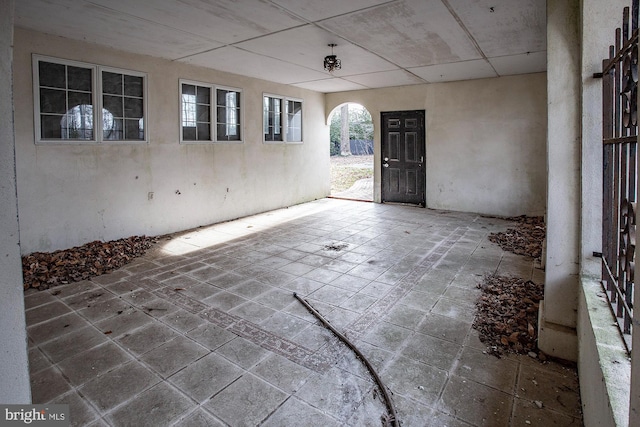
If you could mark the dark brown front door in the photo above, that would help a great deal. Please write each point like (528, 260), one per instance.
(403, 149)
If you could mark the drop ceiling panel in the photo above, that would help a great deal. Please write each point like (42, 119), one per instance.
(478, 69)
(285, 41)
(225, 21)
(513, 27)
(386, 79)
(95, 24)
(409, 33)
(314, 10)
(520, 64)
(330, 85)
(307, 46)
(238, 61)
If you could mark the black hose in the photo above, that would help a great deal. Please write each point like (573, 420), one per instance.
(387, 398)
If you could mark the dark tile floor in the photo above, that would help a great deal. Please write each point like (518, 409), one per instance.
(204, 330)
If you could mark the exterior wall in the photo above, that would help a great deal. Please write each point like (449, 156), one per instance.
(14, 371)
(558, 313)
(485, 141)
(71, 194)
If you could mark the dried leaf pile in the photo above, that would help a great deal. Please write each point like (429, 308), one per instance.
(41, 270)
(507, 314)
(526, 239)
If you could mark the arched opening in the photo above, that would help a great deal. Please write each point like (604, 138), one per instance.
(351, 151)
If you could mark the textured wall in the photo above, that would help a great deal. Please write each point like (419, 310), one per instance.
(485, 140)
(72, 194)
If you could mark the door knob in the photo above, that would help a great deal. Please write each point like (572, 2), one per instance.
(385, 165)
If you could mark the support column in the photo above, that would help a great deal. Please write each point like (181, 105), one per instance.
(558, 311)
(14, 369)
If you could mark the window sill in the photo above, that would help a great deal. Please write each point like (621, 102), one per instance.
(603, 365)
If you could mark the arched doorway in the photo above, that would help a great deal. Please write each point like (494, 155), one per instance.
(351, 151)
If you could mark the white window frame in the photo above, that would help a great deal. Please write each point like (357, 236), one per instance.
(285, 119)
(213, 113)
(96, 98)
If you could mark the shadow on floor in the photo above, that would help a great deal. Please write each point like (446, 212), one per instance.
(204, 329)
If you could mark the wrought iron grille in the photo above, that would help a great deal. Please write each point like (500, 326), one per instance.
(620, 165)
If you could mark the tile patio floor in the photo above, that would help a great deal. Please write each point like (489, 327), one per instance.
(205, 331)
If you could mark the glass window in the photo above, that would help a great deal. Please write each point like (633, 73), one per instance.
(65, 95)
(65, 100)
(272, 118)
(123, 100)
(282, 119)
(209, 113)
(228, 115)
(196, 112)
(294, 121)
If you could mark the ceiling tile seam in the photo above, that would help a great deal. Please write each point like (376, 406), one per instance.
(99, 6)
(241, 41)
(468, 33)
(334, 78)
(334, 16)
(279, 60)
(517, 54)
(294, 15)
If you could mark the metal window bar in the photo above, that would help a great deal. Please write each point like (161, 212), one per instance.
(620, 165)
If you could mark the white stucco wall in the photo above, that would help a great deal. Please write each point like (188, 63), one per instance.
(72, 194)
(558, 311)
(14, 372)
(485, 141)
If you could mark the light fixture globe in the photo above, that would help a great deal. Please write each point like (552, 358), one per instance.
(331, 62)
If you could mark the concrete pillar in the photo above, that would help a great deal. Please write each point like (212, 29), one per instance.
(558, 311)
(14, 370)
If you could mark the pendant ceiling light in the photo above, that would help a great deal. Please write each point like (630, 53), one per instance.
(331, 62)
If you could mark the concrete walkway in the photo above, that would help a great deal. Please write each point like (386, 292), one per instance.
(361, 190)
(205, 331)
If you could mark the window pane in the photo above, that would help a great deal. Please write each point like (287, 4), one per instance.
(133, 108)
(112, 128)
(189, 133)
(79, 78)
(78, 123)
(228, 132)
(229, 98)
(204, 132)
(133, 86)
(113, 104)
(111, 83)
(202, 113)
(294, 135)
(204, 95)
(52, 75)
(50, 127)
(188, 110)
(188, 89)
(133, 130)
(53, 101)
(79, 98)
